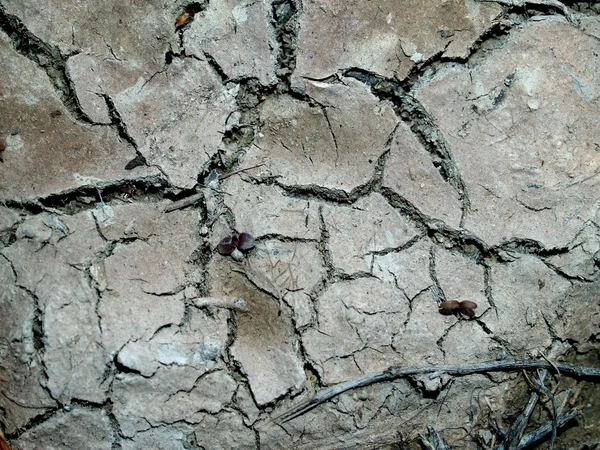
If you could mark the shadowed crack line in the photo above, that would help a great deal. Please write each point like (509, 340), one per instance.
(439, 292)
(46, 56)
(121, 127)
(337, 196)
(488, 291)
(285, 17)
(215, 66)
(114, 424)
(422, 124)
(335, 144)
(84, 198)
(33, 423)
(528, 247)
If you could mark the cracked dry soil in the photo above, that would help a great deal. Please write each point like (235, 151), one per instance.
(379, 151)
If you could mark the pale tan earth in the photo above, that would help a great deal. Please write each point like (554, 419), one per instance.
(379, 151)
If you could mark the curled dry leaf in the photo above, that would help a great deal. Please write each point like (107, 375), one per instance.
(183, 19)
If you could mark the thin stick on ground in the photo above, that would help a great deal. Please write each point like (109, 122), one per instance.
(539, 434)
(539, 385)
(394, 373)
(180, 204)
(435, 442)
(220, 302)
(227, 175)
(517, 429)
(195, 198)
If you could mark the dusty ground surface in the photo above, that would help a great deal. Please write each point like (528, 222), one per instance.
(379, 151)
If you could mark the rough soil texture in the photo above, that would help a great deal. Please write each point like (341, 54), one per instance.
(382, 153)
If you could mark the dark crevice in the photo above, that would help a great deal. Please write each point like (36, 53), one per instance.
(25, 206)
(86, 197)
(377, 178)
(285, 17)
(399, 249)
(339, 275)
(46, 56)
(114, 425)
(462, 241)
(337, 196)
(37, 326)
(170, 56)
(324, 247)
(335, 144)
(239, 136)
(212, 62)
(488, 290)
(422, 124)
(528, 247)
(117, 121)
(591, 8)
(122, 368)
(234, 367)
(437, 288)
(313, 191)
(567, 276)
(33, 423)
(283, 238)
(492, 39)
(408, 209)
(506, 346)
(9, 236)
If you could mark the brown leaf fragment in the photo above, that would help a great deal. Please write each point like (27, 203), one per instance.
(183, 19)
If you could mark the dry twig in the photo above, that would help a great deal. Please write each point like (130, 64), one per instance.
(531, 438)
(221, 302)
(394, 373)
(195, 198)
(435, 441)
(227, 175)
(540, 387)
(517, 429)
(180, 204)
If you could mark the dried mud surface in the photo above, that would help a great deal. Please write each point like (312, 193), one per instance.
(385, 155)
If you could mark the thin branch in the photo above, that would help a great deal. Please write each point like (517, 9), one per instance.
(531, 438)
(435, 441)
(197, 197)
(227, 175)
(394, 373)
(517, 429)
(180, 204)
(220, 302)
(542, 388)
